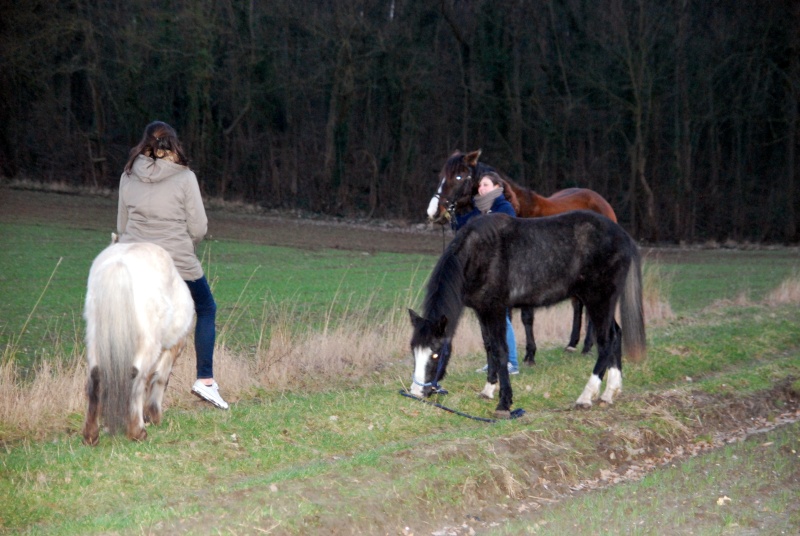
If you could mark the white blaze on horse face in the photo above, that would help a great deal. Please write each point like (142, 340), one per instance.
(422, 354)
(613, 385)
(590, 392)
(433, 206)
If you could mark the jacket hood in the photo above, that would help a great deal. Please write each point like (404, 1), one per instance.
(150, 170)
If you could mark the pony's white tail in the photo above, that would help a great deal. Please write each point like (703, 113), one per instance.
(632, 313)
(114, 341)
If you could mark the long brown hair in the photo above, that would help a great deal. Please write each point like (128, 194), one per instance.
(158, 141)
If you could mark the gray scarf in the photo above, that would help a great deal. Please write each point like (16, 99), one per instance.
(485, 202)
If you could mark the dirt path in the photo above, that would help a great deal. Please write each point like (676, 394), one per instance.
(264, 227)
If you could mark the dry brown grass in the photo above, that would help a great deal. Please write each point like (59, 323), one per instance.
(355, 349)
(655, 286)
(787, 292)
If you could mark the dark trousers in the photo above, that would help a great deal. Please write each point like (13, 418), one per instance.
(205, 330)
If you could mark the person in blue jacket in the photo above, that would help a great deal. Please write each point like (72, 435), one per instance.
(490, 200)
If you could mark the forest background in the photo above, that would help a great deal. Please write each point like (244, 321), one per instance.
(683, 114)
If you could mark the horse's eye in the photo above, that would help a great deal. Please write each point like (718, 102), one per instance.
(458, 177)
(435, 356)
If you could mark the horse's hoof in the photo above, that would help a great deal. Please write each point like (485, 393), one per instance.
(570, 349)
(604, 403)
(140, 436)
(152, 416)
(583, 405)
(90, 440)
(484, 396)
(502, 414)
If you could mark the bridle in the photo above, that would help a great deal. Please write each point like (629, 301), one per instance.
(442, 357)
(450, 200)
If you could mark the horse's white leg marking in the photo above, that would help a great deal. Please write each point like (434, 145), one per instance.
(613, 385)
(488, 390)
(590, 392)
(421, 356)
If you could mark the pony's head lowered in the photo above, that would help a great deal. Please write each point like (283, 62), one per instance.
(455, 185)
(430, 347)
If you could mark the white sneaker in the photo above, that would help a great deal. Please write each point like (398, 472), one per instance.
(511, 369)
(209, 393)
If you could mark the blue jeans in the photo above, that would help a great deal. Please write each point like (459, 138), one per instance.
(205, 330)
(512, 342)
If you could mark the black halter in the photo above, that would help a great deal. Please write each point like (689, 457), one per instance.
(450, 200)
(444, 355)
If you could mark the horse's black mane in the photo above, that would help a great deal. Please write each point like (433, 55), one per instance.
(445, 294)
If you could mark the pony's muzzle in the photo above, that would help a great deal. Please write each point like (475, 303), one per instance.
(421, 391)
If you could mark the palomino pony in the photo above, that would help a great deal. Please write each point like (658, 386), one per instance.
(496, 262)
(458, 185)
(138, 312)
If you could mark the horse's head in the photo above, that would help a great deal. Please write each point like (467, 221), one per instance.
(455, 185)
(431, 349)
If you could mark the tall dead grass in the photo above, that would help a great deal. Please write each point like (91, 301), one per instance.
(788, 292)
(362, 346)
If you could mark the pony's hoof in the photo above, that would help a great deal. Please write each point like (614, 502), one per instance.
(152, 416)
(90, 440)
(502, 414)
(484, 396)
(583, 405)
(570, 349)
(140, 436)
(604, 403)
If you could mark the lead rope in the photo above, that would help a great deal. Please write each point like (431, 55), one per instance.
(517, 413)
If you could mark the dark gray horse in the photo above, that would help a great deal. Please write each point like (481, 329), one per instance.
(459, 183)
(496, 262)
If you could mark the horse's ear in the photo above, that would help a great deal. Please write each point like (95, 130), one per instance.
(415, 318)
(439, 327)
(471, 158)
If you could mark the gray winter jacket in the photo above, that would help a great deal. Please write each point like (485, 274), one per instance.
(160, 202)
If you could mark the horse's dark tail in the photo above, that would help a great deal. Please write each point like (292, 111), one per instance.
(632, 313)
(115, 340)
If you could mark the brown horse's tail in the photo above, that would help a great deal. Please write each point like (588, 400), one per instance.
(632, 312)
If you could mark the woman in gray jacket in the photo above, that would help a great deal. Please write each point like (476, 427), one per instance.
(160, 202)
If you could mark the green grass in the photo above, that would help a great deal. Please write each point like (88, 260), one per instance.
(699, 277)
(362, 457)
(43, 273)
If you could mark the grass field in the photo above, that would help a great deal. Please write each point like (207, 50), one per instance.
(312, 352)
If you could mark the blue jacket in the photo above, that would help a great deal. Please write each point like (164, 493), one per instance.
(500, 205)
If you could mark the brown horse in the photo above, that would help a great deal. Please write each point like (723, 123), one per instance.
(459, 183)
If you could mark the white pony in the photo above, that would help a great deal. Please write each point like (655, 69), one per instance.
(138, 313)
